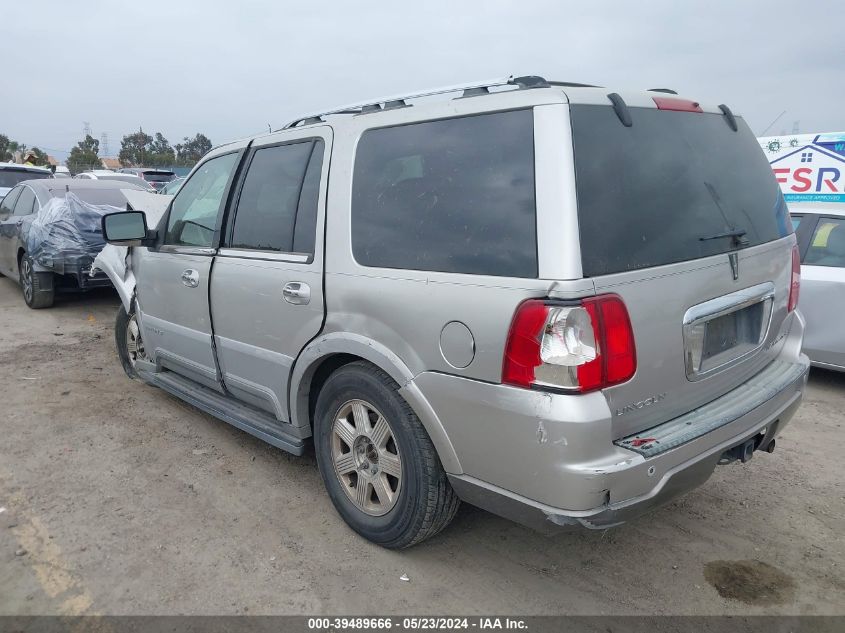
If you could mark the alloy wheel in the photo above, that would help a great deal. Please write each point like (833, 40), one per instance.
(134, 342)
(26, 280)
(366, 457)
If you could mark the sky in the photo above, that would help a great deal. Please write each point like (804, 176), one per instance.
(230, 68)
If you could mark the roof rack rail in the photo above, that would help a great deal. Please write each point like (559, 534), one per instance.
(666, 90)
(571, 84)
(401, 101)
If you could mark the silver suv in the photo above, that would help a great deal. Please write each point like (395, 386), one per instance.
(557, 303)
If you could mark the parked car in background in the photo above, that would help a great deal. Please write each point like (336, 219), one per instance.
(107, 174)
(821, 239)
(156, 177)
(170, 188)
(13, 173)
(52, 251)
(61, 174)
(61, 171)
(466, 310)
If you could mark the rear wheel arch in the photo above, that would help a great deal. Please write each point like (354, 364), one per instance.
(327, 354)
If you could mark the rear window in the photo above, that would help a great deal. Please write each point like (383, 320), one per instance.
(649, 193)
(158, 176)
(11, 177)
(111, 197)
(454, 195)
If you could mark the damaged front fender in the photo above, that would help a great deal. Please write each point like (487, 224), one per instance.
(115, 262)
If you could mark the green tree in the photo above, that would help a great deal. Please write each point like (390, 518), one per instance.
(5, 154)
(135, 149)
(192, 149)
(14, 146)
(84, 155)
(160, 154)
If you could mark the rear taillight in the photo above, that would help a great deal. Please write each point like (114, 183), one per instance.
(795, 283)
(572, 346)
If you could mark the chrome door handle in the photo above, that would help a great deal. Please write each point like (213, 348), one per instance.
(297, 293)
(190, 278)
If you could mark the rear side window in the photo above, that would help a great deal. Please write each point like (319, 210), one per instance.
(653, 193)
(26, 202)
(827, 247)
(277, 206)
(453, 195)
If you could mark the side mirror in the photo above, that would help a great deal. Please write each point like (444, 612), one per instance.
(127, 228)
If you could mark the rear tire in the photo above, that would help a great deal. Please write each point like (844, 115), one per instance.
(37, 287)
(127, 338)
(378, 464)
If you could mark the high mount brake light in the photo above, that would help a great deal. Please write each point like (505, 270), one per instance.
(680, 105)
(795, 282)
(576, 347)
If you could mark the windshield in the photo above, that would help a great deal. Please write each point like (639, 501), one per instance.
(672, 187)
(11, 177)
(112, 197)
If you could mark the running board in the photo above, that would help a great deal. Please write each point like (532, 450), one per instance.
(238, 414)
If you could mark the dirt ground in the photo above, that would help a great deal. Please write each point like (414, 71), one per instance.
(119, 499)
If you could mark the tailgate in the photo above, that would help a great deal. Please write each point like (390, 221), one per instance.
(679, 214)
(698, 332)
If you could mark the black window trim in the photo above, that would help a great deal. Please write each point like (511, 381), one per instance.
(451, 117)
(227, 250)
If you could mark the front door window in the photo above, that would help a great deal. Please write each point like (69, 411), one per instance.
(194, 210)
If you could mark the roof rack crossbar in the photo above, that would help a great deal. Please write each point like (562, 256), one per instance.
(397, 101)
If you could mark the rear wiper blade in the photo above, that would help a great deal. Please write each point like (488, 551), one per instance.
(738, 236)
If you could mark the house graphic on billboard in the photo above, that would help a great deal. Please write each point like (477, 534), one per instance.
(811, 171)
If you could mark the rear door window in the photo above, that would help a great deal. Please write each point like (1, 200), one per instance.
(277, 205)
(659, 192)
(26, 202)
(454, 195)
(827, 246)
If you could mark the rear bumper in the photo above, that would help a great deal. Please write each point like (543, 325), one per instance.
(543, 461)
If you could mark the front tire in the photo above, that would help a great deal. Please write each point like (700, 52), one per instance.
(37, 287)
(127, 338)
(378, 464)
